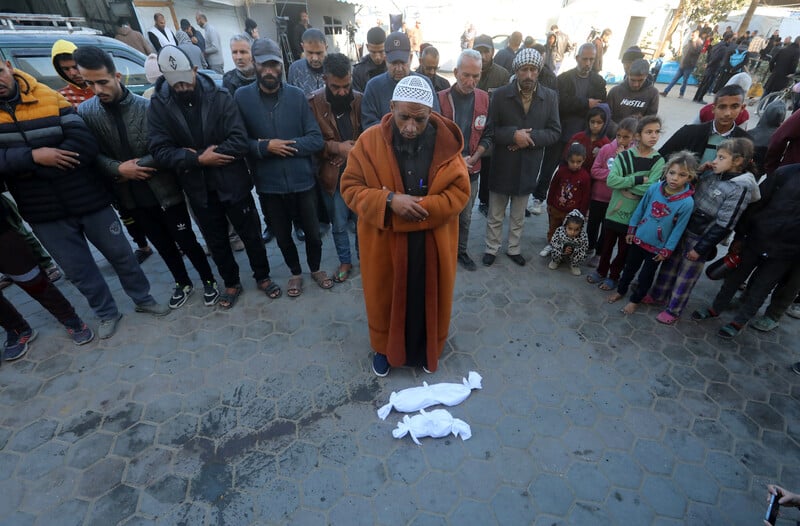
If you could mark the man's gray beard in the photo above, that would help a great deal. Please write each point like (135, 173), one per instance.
(249, 71)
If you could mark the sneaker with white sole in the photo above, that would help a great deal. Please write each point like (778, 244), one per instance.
(546, 251)
(80, 333)
(155, 308)
(794, 310)
(574, 270)
(380, 364)
(552, 265)
(210, 293)
(180, 295)
(107, 328)
(536, 208)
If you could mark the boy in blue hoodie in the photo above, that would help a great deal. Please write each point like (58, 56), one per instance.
(656, 227)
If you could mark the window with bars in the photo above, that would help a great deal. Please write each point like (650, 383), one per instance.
(332, 25)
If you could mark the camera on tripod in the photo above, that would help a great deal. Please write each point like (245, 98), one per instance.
(351, 29)
(282, 23)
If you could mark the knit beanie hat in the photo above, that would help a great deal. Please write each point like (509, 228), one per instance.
(525, 57)
(151, 71)
(413, 89)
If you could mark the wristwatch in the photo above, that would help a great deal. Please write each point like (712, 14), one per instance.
(389, 201)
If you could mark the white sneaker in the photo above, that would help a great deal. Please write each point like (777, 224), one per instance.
(536, 208)
(575, 270)
(794, 310)
(546, 251)
(552, 265)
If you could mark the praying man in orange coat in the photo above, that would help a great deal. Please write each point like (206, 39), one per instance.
(407, 181)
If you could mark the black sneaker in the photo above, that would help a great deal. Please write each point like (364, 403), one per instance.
(142, 254)
(466, 262)
(488, 259)
(210, 293)
(180, 296)
(380, 364)
(267, 236)
(17, 345)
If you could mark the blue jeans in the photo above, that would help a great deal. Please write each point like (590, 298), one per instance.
(338, 213)
(682, 72)
(66, 240)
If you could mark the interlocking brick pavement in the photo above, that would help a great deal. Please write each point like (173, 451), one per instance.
(265, 414)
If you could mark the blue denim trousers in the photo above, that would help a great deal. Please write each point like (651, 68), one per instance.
(338, 213)
(68, 239)
(682, 72)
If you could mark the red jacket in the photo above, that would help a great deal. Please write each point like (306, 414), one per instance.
(570, 190)
(480, 113)
(589, 144)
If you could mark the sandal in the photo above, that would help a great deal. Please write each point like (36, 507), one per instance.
(649, 300)
(730, 330)
(666, 318)
(594, 277)
(704, 314)
(228, 299)
(608, 284)
(343, 275)
(321, 278)
(295, 287)
(270, 288)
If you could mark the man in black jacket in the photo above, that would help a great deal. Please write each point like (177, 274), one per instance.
(703, 139)
(155, 201)
(716, 58)
(579, 90)
(195, 130)
(374, 63)
(48, 171)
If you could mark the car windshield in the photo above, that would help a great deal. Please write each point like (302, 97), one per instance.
(41, 67)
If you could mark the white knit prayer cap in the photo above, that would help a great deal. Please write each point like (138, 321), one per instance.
(413, 89)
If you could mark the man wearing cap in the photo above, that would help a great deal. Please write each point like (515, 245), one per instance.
(213, 48)
(492, 75)
(283, 138)
(379, 90)
(523, 121)
(374, 63)
(468, 107)
(49, 172)
(407, 181)
(635, 96)
(195, 130)
(306, 73)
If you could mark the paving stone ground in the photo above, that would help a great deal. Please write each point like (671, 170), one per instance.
(266, 414)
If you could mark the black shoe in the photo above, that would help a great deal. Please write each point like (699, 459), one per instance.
(380, 365)
(483, 208)
(142, 254)
(488, 259)
(466, 262)
(528, 213)
(299, 234)
(267, 236)
(517, 258)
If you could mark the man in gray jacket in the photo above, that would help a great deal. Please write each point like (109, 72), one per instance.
(118, 119)
(213, 50)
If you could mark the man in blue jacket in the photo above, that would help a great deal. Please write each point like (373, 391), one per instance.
(283, 136)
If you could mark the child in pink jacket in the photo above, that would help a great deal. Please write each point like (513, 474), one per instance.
(601, 193)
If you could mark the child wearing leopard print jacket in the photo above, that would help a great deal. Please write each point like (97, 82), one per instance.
(570, 242)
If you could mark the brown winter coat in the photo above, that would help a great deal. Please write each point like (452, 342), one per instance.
(372, 172)
(330, 159)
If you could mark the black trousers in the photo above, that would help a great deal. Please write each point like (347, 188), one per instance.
(282, 209)
(212, 218)
(708, 80)
(483, 185)
(134, 229)
(641, 261)
(168, 228)
(597, 212)
(766, 273)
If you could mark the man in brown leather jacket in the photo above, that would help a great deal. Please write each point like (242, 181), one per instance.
(337, 108)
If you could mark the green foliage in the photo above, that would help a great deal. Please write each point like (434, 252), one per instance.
(710, 11)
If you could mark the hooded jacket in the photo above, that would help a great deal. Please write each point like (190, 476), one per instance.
(561, 240)
(592, 147)
(72, 92)
(624, 102)
(40, 117)
(170, 136)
